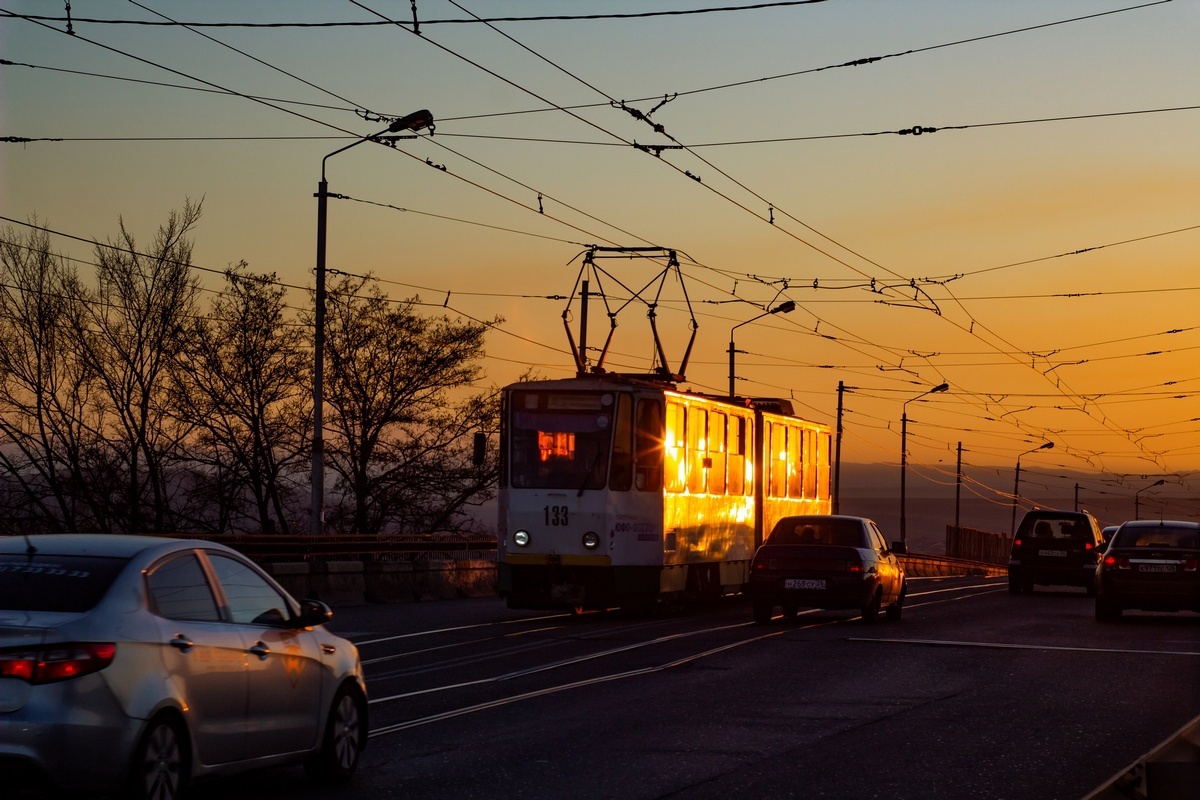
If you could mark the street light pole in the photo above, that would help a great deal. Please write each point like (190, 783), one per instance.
(783, 308)
(412, 122)
(1017, 484)
(1137, 495)
(904, 455)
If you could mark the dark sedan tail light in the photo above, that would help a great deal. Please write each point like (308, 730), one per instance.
(57, 662)
(1191, 564)
(1114, 561)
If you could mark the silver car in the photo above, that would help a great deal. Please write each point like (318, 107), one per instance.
(134, 664)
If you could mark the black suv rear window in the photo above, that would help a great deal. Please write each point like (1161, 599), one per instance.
(55, 583)
(1059, 529)
(1161, 536)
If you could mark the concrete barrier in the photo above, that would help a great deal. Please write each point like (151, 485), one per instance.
(342, 583)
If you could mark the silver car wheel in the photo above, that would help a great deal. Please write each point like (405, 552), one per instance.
(346, 728)
(159, 766)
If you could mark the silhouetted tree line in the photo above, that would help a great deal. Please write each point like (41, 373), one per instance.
(128, 405)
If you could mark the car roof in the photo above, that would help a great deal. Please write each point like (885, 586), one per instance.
(1160, 523)
(113, 545)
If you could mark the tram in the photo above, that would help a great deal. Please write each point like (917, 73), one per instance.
(621, 490)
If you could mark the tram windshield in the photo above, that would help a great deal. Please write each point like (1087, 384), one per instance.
(561, 439)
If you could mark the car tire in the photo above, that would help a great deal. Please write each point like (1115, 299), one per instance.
(1107, 610)
(791, 610)
(344, 739)
(762, 611)
(1091, 589)
(870, 612)
(159, 770)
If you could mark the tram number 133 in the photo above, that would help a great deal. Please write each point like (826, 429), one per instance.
(556, 515)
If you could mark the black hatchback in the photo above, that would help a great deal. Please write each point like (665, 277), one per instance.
(1152, 565)
(1056, 548)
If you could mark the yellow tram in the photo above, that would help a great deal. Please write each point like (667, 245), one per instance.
(616, 490)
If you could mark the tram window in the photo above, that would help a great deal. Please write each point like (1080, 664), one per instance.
(676, 477)
(560, 441)
(778, 465)
(795, 463)
(811, 457)
(717, 423)
(737, 455)
(621, 476)
(649, 446)
(697, 449)
(824, 458)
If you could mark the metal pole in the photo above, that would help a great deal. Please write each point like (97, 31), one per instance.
(837, 456)
(318, 444)
(732, 393)
(903, 470)
(1016, 493)
(1077, 497)
(958, 487)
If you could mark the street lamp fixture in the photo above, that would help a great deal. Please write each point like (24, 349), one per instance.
(941, 387)
(410, 122)
(1017, 483)
(1137, 495)
(786, 307)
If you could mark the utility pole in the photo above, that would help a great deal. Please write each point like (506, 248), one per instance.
(958, 487)
(837, 455)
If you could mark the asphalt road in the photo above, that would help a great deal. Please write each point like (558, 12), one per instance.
(975, 693)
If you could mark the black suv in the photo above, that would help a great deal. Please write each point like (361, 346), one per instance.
(1060, 548)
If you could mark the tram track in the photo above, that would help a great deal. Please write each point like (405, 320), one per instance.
(568, 635)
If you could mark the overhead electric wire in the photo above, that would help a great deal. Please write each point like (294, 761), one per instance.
(533, 18)
(406, 154)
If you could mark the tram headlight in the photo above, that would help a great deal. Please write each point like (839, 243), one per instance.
(590, 540)
(521, 538)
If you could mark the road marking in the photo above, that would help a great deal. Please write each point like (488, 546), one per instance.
(458, 712)
(459, 628)
(1010, 646)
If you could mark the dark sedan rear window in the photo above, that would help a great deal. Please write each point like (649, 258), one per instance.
(1161, 536)
(55, 583)
(840, 532)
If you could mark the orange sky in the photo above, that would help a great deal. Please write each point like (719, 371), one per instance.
(1095, 351)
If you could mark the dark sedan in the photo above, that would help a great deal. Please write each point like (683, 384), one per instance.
(1152, 565)
(827, 562)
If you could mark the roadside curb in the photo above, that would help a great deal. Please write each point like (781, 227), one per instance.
(1170, 771)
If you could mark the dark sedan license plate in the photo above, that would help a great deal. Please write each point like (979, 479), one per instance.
(1156, 567)
(804, 583)
(1052, 553)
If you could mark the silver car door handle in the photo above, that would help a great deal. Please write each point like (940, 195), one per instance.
(260, 650)
(181, 642)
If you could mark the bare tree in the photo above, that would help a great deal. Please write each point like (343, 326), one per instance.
(130, 329)
(401, 446)
(46, 423)
(242, 380)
